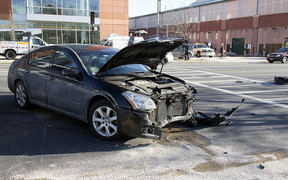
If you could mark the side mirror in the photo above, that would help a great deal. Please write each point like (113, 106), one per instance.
(72, 73)
(164, 61)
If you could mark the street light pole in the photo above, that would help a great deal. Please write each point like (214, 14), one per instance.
(158, 16)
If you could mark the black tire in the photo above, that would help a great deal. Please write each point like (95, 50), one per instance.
(21, 95)
(271, 61)
(284, 60)
(198, 54)
(10, 54)
(102, 119)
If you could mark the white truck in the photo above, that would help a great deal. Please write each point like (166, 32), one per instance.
(10, 49)
(119, 42)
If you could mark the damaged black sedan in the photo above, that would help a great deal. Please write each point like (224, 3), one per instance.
(116, 92)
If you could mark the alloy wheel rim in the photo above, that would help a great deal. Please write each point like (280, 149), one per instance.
(20, 95)
(105, 121)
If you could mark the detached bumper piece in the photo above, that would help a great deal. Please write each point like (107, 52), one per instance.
(281, 80)
(206, 120)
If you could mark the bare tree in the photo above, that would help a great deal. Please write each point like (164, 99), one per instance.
(11, 26)
(180, 22)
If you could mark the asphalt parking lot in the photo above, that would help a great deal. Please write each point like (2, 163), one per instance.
(41, 144)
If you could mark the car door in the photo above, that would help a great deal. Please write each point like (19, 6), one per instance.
(37, 74)
(36, 43)
(65, 93)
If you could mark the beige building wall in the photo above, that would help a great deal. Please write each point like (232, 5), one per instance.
(114, 17)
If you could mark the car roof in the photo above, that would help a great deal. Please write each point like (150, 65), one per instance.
(88, 47)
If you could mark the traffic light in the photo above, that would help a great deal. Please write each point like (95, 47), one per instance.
(92, 17)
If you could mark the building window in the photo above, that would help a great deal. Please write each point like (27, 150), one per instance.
(18, 5)
(61, 7)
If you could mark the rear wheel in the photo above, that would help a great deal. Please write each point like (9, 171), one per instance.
(284, 60)
(9, 54)
(270, 61)
(103, 120)
(21, 95)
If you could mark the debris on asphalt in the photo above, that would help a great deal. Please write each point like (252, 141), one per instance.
(261, 166)
(281, 80)
(229, 123)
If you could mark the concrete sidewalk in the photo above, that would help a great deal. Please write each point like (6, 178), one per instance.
(225, 59)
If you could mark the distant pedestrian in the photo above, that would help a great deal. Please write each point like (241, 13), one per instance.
(221, 51)
(186, 51)
(131, 40)
(84, 42)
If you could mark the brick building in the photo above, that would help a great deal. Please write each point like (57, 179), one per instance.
(64, 21)
(241, 26)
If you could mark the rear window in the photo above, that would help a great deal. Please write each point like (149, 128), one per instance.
(41, 58)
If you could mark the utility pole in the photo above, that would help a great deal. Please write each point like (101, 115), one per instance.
(92, 21)
(158, 16)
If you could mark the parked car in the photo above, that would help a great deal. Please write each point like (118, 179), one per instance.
(116, 92)
(119, 42)
(280, 55)
(179, 52)
(200, 49)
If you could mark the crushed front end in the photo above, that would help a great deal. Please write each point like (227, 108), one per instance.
(166, 99)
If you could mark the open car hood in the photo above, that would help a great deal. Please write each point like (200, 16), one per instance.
(146, 53)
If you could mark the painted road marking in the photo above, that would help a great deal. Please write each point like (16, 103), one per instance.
(263, 91)
(242, 94)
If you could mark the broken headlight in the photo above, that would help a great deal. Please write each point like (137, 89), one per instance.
(139, 101)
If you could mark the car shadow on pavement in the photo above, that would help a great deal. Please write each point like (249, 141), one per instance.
(38, 131)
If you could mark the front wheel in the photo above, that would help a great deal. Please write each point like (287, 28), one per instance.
(102, 120)
(21, 95)
(9, 54)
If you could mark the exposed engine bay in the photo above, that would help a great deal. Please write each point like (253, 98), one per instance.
(173, 97)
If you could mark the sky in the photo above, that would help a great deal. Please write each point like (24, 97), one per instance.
(143, 7)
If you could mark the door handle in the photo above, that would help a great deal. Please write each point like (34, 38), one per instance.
(52, 78)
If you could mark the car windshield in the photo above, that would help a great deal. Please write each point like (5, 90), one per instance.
(202, 46)
(128, 69)
(283, 50)
(95, 60)
(103, 41)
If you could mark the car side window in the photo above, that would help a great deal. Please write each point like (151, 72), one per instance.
(63, 60)
(41, 58)
(36, 41)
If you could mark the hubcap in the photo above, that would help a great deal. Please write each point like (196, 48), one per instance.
(20, 95)
(105, 121)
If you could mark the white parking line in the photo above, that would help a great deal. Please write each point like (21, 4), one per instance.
(239, 85)
(218, 74)
(277, 99)
(264, 91)
(214, 81)
(241, 95)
